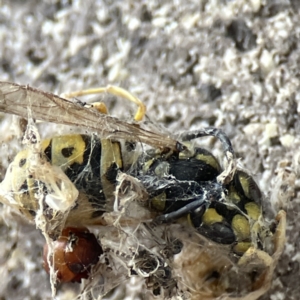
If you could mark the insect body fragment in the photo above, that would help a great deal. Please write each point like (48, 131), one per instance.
(74, 253)
(80, 180)
(78, 156)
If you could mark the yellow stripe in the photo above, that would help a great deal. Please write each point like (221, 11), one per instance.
(211, 216)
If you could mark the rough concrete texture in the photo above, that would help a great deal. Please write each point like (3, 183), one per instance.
(230, 64)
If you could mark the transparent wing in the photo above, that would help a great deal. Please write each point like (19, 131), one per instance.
(27, 102)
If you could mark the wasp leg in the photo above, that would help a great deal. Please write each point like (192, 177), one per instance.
(114, 90)
(227, 175)
(175, 215)
(210, 131)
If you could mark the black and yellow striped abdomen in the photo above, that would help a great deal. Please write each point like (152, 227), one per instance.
(228, 213)
(91, 165)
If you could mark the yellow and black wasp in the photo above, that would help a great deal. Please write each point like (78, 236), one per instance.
(189, 186)
(74, 180)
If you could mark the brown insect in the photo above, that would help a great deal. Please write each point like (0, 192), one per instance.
(74, 254)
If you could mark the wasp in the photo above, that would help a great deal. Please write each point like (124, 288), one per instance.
(76, 180)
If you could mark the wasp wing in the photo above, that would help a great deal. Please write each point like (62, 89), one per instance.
(25, 101)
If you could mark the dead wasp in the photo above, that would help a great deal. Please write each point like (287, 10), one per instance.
(89, 163)
(72, 180)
